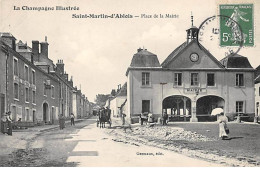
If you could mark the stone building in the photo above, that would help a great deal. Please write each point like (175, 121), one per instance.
(81, 106)
(118, 101)
(31, 93)
(32, 87)
(189, 83)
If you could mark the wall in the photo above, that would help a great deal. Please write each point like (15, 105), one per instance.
(225, 88)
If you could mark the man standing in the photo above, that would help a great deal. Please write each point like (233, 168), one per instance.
(165, 118)
(9, 124)
(72, 117)
(61, 121)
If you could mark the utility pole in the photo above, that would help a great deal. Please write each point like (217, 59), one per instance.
(162, 95)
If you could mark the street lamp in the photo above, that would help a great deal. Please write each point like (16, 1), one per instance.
(162, 95)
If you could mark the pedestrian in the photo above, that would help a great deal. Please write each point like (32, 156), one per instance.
(165, 118)
(123, 118)
(150, 118)
(4, 124)
(72, 117)
(223, 129)
(9, 124)
(61, 121)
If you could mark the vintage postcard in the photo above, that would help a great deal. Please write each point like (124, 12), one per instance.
(129, 83)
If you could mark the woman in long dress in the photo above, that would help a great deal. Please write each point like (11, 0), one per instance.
(222, 120)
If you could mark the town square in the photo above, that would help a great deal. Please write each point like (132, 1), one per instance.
(129, 84)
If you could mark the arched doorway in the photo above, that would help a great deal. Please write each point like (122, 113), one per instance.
(45, 112)
(177, 107)
(206, 104)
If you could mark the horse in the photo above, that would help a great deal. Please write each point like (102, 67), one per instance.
(103, 117)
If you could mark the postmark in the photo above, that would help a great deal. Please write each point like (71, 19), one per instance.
(239, 15)
(209, 37)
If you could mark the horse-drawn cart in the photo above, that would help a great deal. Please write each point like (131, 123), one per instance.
(104, 116)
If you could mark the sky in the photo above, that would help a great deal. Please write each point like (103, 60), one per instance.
(97, 52)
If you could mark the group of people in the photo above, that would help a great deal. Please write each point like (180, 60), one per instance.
(62, 120)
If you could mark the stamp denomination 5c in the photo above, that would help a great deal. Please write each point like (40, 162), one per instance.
(238, 15)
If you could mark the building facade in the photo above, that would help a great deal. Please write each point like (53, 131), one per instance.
(257, 93)
(32, 87)
(31, 93)
(189, 83)
(81, 105)
(118, 101)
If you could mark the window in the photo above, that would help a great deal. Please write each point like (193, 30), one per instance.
(178, 79)
(52, 91)
(259, 91)
(44, 89)
(26, 73)
(239, 107)
(210, 79)
(33, 97)
(239, 79)
(145, 78)
(194, 79)
(33, 77)
(146, 106)
(16, 66)
(16, 91)
(26, 94)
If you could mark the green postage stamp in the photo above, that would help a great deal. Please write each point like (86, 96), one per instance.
(236, 24)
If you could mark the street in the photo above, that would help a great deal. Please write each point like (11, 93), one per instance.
(87, 145)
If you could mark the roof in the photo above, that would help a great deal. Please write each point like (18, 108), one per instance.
(235, 61)
(7, 34)
(257, 79)
(123, 90)
(257, 71)
(144, 58)
(174, 53)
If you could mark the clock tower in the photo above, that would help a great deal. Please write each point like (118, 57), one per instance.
(192, 33)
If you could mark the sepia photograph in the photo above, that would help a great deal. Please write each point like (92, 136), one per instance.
(129, 83)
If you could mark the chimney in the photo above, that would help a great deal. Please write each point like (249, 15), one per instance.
(139, 49)
(60, 67)
(118, 87)
(35, 50)
(8, 39)
(44, 48)
(32, 58)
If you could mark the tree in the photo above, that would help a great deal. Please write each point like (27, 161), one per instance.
(101, 99)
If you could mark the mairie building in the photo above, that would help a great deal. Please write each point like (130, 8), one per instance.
(189, 84)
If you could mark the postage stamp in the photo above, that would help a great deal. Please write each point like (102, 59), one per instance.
(238, 17)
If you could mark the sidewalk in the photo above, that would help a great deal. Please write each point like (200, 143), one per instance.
(21, 137)
(44, 128)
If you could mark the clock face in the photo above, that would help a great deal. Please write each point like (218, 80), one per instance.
(194, 57)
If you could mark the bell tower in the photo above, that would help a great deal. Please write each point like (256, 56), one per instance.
(192, 32)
